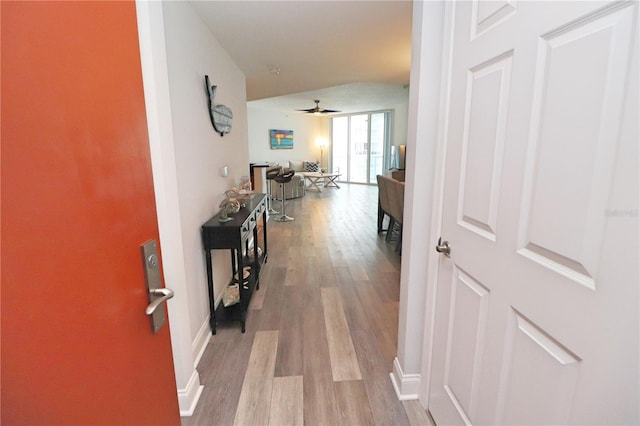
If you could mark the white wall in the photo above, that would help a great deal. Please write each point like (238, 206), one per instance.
(421, 199)
(306, 130)
(400, 121)
(192, 52)
(177, 50)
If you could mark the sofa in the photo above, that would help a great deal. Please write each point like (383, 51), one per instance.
(295, 188)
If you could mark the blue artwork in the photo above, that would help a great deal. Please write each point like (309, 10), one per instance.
(281, 139)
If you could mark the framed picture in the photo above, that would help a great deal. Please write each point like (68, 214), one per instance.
(281, 139)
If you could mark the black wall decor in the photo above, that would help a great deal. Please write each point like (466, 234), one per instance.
(221, 115)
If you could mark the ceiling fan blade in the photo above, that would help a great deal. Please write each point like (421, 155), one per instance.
(317, 109)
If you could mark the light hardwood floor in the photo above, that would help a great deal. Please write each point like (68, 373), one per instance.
(322, 330)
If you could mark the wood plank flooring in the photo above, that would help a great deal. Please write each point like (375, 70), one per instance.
(322, 330)
(344, 363)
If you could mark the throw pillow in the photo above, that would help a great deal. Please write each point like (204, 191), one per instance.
(297, 166)
(311, 166)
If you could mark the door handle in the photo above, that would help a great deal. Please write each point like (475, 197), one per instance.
(443, 247)
(165, 293)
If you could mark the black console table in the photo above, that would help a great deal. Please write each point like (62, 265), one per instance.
(234, 236)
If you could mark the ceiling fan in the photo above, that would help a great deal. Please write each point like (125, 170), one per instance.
(317, 109)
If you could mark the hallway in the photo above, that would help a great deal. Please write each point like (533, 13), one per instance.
(321, 331)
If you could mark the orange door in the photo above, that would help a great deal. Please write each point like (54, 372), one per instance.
(77, 203)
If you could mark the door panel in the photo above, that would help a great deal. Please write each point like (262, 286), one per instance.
(579, 91)
(539, 376)
(487, 14)
(77, 203)
(540, 194)
(466, 339)
(485, 123)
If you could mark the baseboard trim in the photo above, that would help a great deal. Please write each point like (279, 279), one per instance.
(407, 386)
(188, 398)
(199, 344)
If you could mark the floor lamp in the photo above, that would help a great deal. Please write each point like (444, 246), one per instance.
(322, 145)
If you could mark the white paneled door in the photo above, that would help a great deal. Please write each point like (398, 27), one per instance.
(536, 313)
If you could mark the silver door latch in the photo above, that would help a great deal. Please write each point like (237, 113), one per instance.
(157, 294)
(443, 247)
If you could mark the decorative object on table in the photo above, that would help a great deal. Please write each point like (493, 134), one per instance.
(242, 195)
(281, 139)
(245, 183)
(221, 115)
(231, 295)
(228, 206)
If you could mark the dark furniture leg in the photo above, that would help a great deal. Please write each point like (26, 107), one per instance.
(264, 234)
(243, 293)
(212, 308)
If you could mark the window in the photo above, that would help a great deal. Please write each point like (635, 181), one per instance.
(359, 144)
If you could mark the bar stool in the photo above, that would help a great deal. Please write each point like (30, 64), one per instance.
(271, 174)
(282, 179)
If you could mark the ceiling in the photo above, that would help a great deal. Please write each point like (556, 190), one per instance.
(351, 55)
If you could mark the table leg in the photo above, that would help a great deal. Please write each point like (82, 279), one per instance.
(332, 182)
(243, 292)
(212, 308)
(314, 182)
